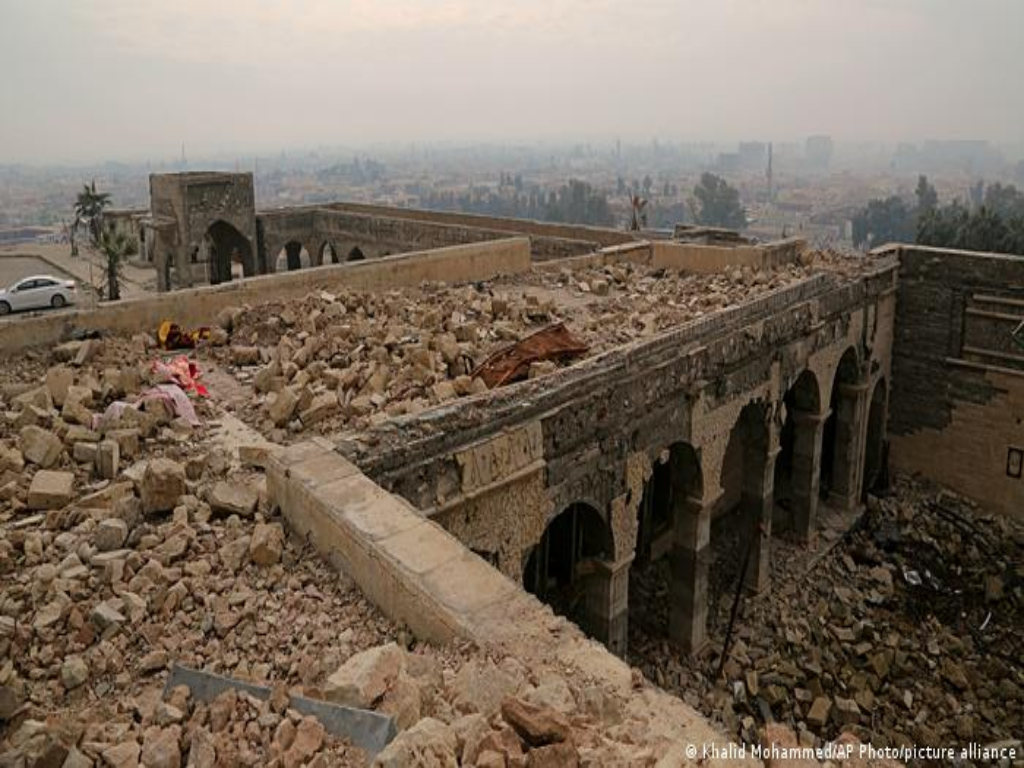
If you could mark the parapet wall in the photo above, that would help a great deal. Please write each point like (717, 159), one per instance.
(422, 576)
(706, 259)
(957, 405)
(382, 231)
(199, 306)
(602, 236)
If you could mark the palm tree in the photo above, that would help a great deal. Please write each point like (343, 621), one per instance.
(638, 213)
(89, 207)
(115, 247)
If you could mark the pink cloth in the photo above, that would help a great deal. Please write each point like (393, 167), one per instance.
(171, 395)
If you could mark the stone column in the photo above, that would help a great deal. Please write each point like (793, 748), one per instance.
(607, 604)
(805, 479)
(848, 461)
(757, 506)
(690, 560)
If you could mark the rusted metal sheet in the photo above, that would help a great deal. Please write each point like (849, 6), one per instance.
(512, 363)
(370, 731)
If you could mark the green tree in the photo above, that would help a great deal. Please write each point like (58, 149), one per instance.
(1006, 200)
(578, 203)
(116, 248)
(982, 229)
(717, 204)
(927, 197)
(887, 220)
(940, 227)
(89, 207)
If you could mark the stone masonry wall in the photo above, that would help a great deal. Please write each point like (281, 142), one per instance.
(379, 233)
(196, 306)
(957, 406)
(603, 422)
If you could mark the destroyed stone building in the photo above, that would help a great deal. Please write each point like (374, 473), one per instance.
(726, 415)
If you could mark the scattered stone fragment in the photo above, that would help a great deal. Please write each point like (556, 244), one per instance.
(283, 407)
(123, 755)
(108, 459)
(163, 483)
(364, 678)
(846, 711)
(161, 748)
(536, 725)
(819, 712)
(428, 743)
(110, 534)
(39, 446)
(231, 498)
(267, 543)
(74, 672)
(309, 736)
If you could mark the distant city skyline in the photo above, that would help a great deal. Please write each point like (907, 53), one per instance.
(127, 80)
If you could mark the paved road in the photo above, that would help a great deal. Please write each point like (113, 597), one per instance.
(87, 268)
(13, 268)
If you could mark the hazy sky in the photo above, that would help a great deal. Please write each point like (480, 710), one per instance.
(85, 80)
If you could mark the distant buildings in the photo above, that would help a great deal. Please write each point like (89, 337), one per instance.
(818, 151)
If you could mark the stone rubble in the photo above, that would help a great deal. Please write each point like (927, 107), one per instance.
(128, 546)
(175, 558)
(907, 632)
(351, 359)
(110, 570)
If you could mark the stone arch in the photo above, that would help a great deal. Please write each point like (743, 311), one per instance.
(747, 480)
(328, 254)
(292, 256)
(227, 249)
(561, 568)
(875, 458)
(676, 479)
(840, 449)
(795, 484)
(356, 254)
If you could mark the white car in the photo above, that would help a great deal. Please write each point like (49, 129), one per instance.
(37, 292)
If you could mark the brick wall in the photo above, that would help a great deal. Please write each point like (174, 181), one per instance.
(957, 407)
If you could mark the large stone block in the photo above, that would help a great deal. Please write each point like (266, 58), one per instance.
(40, 446)
(162, 484)
(234, 499)
(51, 490)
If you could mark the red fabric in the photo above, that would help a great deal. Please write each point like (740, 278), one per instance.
(183, 372)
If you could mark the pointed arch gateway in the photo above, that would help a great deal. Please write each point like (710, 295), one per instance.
(328, 254)
(875, 452)
(230, 253)
(292, 256)
(567, 570)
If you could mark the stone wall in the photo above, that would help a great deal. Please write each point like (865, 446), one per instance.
(601, 236)
(957, 409)
(376, 232)
(186, 206)
(423, 577)
(605, 420)
(480, 261)
(705, 259)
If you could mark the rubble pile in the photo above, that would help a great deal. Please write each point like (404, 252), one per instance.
(350, 359)
(135, 543)
(494, 711)
(133, 540)
(907, 632)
